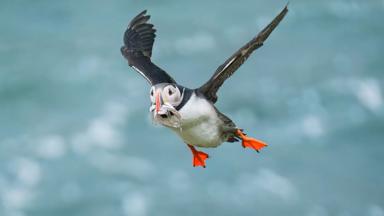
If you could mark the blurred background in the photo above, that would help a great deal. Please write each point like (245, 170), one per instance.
(76, 137)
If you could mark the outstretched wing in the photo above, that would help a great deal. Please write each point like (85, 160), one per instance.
(225, 70)
(137, 49)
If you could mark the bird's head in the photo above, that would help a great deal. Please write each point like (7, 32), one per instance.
(165, 97)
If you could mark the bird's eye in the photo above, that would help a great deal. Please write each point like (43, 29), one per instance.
(152, 92)
(171, 95)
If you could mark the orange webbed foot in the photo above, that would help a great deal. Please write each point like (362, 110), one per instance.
(199, 157)
(250, 142)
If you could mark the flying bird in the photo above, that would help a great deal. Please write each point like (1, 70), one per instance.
(190, 113)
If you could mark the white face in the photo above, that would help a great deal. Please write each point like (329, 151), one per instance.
(169, 94)
(164, 100)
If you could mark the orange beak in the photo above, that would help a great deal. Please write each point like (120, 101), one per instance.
(158, 102)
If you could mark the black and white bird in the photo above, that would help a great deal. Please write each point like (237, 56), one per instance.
(190, 113)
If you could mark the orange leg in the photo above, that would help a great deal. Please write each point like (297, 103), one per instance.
(250, 142)
(199, 157)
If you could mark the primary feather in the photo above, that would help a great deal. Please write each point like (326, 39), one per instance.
(224, 71)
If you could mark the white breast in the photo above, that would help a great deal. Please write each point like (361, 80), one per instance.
(200, 125)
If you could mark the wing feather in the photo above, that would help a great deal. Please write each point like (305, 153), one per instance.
(137, 49)
(224, 71)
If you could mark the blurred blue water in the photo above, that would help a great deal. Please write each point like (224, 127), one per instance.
(75, 137)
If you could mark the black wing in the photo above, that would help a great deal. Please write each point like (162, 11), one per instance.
(137, 49)
(225, 70)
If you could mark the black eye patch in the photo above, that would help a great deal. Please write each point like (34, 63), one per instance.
(170, 92)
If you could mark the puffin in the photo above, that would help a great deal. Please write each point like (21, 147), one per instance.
(190, 113)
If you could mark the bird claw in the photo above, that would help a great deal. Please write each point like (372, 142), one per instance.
(199, 157)
(250, 142)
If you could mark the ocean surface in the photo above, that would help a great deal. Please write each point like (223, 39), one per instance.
(76, 137)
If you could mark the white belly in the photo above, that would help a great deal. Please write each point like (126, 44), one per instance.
(200, 125)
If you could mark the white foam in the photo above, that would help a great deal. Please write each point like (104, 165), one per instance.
(51, 146)
(15, 198)
(103, 134)
(369, 94)
(270, 182)
(102, 131)
(135, 204)
(15, 213)
(312, 126)
(27, 171)
(375, 210)
(122, 165)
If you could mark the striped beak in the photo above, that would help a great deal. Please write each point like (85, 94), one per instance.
(164, 113)
(158, 102)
